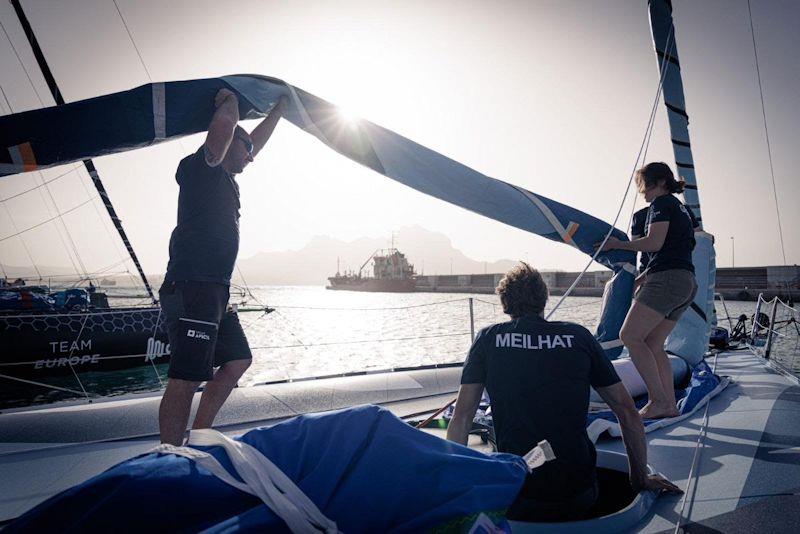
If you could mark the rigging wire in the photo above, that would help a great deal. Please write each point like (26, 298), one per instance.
(34, 188)
(132, 41)
(11, 217)
(22, 64)
(360, 341)
(60, 217)
(47, 221)
(645, 142)
(373, 309)
(141, 60)
(766, 133)
(47, 188)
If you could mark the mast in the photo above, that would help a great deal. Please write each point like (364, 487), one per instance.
(667, 55)
(87, 163)
(689, 339)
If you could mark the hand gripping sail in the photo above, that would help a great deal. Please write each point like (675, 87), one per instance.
(157, 112)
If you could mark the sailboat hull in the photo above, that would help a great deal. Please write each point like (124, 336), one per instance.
(46, 344)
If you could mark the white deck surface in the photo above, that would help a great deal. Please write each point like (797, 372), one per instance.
(746, 478)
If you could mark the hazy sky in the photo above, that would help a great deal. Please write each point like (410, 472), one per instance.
(552, 96)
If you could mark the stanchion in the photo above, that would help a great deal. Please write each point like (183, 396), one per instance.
(471, 321)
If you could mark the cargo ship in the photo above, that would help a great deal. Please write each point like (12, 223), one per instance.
(391, 272)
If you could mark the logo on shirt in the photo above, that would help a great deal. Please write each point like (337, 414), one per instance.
(198, 334)
(528, 341)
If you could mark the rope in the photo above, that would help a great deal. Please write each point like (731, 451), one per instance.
(72, 351)
(642, 149)
(42, 384)
(152, 359)
(118, 357)
(697, 448)
(432, 336)
(291, 332)
(766, 133)
(375, 309)
(109, 312)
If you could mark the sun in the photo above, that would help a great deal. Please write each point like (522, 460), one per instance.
(348, 117)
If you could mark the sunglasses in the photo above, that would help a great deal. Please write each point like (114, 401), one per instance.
(248, 145)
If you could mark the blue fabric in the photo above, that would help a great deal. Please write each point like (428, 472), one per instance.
(617, 296)
(363, 467)
(124, 121)
(689, 338)
(22, 299)
(69, 299)
(702, 383)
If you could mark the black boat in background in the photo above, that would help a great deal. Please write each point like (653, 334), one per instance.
(49, 339)
(47, 334)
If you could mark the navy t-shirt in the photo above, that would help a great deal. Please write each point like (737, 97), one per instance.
(638, 230)
(538, 375)
(676, 252)
(205, 242)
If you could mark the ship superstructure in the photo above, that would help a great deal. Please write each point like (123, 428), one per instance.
(391, 272)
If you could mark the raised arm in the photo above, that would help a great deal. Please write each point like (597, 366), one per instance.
(220, 130)
(261, 134)
(630, 423)
(469, 397)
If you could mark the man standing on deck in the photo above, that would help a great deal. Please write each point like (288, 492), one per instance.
(537, 374)
(203, 333)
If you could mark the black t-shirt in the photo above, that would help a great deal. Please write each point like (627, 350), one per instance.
(637, 231)
(676, 252)
(538, 375)
(205, 242)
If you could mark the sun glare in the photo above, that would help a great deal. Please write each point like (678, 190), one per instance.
(348, 117)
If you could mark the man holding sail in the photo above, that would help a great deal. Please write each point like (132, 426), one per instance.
(203, 332)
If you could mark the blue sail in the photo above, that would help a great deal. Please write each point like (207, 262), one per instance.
(158, 112)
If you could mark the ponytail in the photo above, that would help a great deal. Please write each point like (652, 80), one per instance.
(677, 186)
(658, 173)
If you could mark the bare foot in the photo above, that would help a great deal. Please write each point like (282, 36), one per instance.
(657, 410)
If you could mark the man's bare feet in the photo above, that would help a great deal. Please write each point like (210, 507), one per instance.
(659, 410)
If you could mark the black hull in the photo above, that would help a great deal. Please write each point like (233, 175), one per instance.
(372, 285)
(39, 345)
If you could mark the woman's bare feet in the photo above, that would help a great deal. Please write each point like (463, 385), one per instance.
(659, 410)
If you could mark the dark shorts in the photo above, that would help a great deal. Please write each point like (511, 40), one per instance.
(668, 292)
(202, 332)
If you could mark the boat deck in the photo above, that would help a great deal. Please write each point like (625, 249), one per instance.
(744, 463)
(741, 468)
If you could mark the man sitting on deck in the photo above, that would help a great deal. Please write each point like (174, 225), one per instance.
(537, 374)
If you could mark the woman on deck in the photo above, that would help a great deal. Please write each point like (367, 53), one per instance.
(664, 290)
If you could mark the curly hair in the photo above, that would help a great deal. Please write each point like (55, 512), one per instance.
(522, 291)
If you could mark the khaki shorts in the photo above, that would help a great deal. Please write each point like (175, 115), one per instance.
(668, 292)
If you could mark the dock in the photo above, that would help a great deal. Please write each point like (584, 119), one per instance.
(733, 283)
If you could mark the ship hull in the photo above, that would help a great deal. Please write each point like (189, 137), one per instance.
(374, 285)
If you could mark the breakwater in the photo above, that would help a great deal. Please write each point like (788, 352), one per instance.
(733, 283)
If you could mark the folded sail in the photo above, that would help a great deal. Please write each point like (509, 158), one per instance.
(157, 112)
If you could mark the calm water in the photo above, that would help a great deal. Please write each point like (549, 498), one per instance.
(317, 332)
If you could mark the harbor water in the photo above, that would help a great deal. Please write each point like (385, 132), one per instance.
(314, 332)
